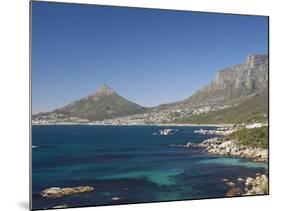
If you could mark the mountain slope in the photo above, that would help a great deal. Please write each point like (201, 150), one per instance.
(234, 83)
(236, 94)
(252, 109)
(243, 87)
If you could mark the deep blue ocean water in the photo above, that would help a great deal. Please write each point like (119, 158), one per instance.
(129, 162)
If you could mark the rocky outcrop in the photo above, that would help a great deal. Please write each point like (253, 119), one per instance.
(57, 192)
(115, 198)
(234, 192)
(104, 90)
(231, 148)
(248, 186)
(256, 186)
(219, 131)
(167, 131)
(208, 143)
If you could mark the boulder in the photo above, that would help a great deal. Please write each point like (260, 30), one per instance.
(256, 186)
(249, 181)
(225, 180)
(239, 179)
(234, 192)
(166, 132)
(56, 192)
(231, 184)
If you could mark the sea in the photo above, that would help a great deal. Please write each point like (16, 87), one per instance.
(129, 164)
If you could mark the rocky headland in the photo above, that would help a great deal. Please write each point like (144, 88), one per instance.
(218, 146)
(248, 142)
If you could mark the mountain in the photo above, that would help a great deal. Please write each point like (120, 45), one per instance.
(242, 89)
(104, 104)
(234, 83)
(237, 94)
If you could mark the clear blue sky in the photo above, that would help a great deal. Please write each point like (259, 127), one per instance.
(148, 56)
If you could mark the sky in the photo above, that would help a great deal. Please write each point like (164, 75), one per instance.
(148, 56)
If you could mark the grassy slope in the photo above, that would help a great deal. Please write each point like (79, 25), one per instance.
(98, 107)
(101, 107)
(256, 137)
(254, 109)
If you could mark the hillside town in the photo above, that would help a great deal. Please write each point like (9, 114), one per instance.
(153, 116)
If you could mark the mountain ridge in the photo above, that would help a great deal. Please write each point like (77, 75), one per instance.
(231, 83)
(231, 86)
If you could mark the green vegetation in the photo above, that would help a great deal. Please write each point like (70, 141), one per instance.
(251, 110)
(256, 137)
(266, 187)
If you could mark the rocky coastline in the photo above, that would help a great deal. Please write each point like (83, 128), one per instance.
(220, 146)
(230, 148)
(248, 186)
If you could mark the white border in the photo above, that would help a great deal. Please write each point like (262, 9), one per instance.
(14, 88)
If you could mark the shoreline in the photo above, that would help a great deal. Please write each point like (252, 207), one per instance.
(257, 185)
(216, 146)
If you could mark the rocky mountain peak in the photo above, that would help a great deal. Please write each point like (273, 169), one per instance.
(105, 89)
(256, 59)
(235, 82)
(254, 71)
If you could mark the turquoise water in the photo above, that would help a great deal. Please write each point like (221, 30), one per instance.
(128, 162)
(158, 177)
(234, 162)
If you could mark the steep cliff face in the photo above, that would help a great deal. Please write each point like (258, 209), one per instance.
(234, 83)
(250, 77)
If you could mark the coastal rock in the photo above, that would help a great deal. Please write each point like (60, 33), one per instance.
(208, 144)
(239, 179)
(201, 131)
(57, 192)
(249, 186)
(231, 148)
(181, 145)
(249, 181)
(166, 132)
(189, 144)
(115, 198)
(218, 131)
(226, 144)
(234, 192)
(256, 186)
(231, 184)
